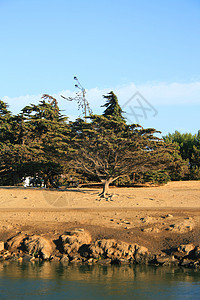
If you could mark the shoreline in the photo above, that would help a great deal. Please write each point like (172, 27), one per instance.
(157, 219)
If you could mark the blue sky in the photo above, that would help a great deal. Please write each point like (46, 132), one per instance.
(126, 46)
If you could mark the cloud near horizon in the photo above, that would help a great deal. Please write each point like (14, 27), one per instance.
(157, 94)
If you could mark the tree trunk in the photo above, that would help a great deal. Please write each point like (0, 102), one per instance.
(134, 177)
(106, 184)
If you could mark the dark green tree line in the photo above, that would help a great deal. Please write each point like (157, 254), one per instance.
(41, 141)
(189, 147)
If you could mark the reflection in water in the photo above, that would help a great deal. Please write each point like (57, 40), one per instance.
(56, 281)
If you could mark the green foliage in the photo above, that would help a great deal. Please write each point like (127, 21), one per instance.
(189, 147)
(39, 141)
(113, 108)
(109, 149)
(159, 177)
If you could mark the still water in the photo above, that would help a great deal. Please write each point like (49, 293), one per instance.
(56, 281)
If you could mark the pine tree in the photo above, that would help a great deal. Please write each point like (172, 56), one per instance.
(113, 108)
(39, 144)
(48, 135)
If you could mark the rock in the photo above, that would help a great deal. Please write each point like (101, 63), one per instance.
(125, 261)
(20, 259)
(84, 251)
(187, 263)
(127, 222)
(26, 258)
(197, 252)
(1, 246)
(39, 246)
(104, 261)
(186, 248)
(141, 250)
(182, 226)
(56, 258)
(118, 250)
(73, 240)
(169, 216)
(142, 256)
(17, 242)
(76, 259)
(146, 219)
(166, 260)
(64, 259)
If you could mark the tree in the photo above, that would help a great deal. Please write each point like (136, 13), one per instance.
(189, 147)
(113, 108)
(5, 123)
(108, 149)
(39, 146)
(48, 133)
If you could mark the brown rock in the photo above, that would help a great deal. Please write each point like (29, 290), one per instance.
(186, 248)
(197, 252)
(64, 259)
(41, 246)
(16, 242)
(1, 246)
(106, 261)
(73, 240)
(166, 260)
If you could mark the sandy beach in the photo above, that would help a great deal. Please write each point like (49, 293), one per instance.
(156, 217)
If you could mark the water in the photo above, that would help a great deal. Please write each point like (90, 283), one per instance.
(56, 281)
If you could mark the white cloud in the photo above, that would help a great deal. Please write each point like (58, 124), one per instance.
(158, 94)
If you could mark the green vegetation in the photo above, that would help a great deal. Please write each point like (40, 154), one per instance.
(41, 142)
(189, 147)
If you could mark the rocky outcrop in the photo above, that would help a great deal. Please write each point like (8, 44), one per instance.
(72, 241)
(77, 247)
(35, 245)
(39, 246)
(117, 250)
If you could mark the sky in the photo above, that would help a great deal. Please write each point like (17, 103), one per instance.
(147, 52)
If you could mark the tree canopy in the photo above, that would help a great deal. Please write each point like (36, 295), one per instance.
(189, 147)
(41, 141)
(113, 108)
(107, 152)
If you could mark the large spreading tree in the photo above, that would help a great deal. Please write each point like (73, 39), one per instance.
(40, 141)
(108, 148)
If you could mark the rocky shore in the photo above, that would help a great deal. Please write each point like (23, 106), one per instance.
(146, 226)
(77, 246)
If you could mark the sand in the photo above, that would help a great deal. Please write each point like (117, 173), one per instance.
(156, 217)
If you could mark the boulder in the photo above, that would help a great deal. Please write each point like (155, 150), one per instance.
(118, 250)
(110, 248)
(39, 246)
(64, 259)
(17, 242)
(166, 260)
(186, 248)
(73, 240)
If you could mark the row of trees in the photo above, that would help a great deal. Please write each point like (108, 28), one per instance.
(189, 147)
(40, 140)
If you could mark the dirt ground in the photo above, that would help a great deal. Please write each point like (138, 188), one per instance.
(158, 218)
